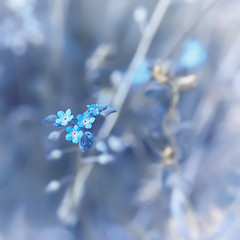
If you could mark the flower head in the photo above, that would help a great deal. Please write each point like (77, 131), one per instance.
(63, 118)
(193, 54)
(74, 134)
(86, 141)
(85, 120)
(93, 109)
(141, 74)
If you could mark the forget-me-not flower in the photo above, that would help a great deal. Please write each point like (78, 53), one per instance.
(141, 74)
(63, 118)
(76, 127)
(85, 120)
(93, 109)
(74, 134)
(193, 54)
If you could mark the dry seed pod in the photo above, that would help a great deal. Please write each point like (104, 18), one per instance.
(187, 82)
(159, 73)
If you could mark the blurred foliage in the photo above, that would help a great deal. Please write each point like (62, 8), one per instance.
(166, 166)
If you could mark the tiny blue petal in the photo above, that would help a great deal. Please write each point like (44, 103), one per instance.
(79, 117)
(88, 125)
(86, 114)
(58, 120)
(64, 122)
(76, 128)
(68, 137)
(60, 114)
(92, 119)
(69, 129)
(75, 140)
(80, 124)
(68, 112)
(80, 134)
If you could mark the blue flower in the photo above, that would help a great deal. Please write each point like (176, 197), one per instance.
(86, 141)
(74, 134)
(141, 74)
(63, 118)
(85, 120)
(93, 109)
(193, 54)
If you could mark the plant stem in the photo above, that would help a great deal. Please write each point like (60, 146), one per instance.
(140, 54)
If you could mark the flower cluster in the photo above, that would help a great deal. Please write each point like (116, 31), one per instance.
(78, 128)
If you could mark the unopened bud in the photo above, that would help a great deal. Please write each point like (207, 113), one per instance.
(54, 154)
(52, 186)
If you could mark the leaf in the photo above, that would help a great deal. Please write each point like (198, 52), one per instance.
(186, 83)
(101, 107)
(160, 93)
(54, 136)
(50, 120)
(108, 111)
(160, 74)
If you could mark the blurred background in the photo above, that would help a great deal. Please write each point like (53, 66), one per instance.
(166, 165)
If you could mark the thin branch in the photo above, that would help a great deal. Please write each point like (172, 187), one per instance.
(178, 44)
(140, 54)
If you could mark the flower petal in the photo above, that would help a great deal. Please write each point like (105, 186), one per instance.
(80, 124)
(75, 140)
(92, 119)
(79, 117)
(58, 120)
(68, 112)
(68, 137)
(80, 134)
(70, 118)
(64, 122)
(60, 113)
(86, 114)
(69, 129)
(76, 128)
(88, 125)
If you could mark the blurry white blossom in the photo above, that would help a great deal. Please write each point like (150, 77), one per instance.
(19, 25)
(55, 154)
(52, 186)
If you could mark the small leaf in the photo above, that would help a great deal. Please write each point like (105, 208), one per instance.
(108, 111)
(160, 93)
(187, 82)
(55, 154)
(54, 136)
(50, 120)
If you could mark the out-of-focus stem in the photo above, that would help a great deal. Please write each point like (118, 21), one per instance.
(68, 210)
(178, 44)
(140, 54)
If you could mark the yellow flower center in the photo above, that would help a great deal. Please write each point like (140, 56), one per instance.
(74, 133)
